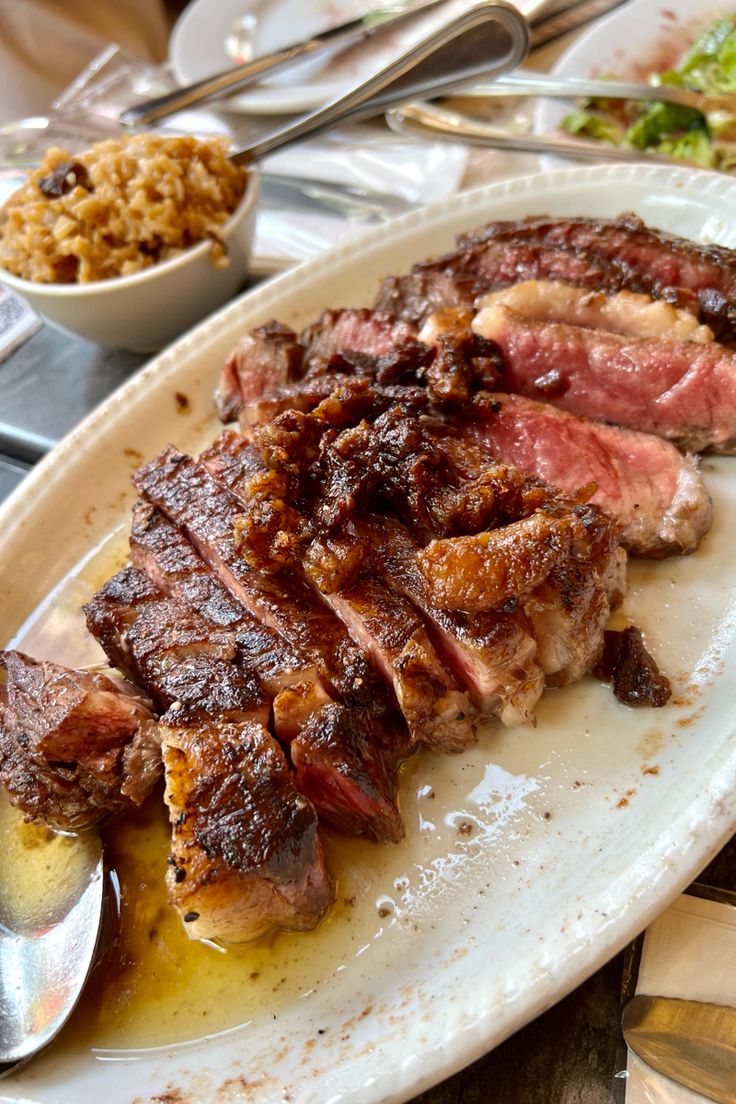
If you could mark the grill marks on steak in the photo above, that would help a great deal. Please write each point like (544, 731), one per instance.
(74, 746)
(681, 390)
(207, 512)
(383, 625)
(245, 853)
(239, 868)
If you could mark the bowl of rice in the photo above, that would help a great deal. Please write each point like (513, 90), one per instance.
(133, 241)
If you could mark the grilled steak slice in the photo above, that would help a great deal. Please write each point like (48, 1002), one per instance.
(262, 362)
(351, 779)
(74, 746)
(392, 634)
(245, 854)
(491, 655)
(624, 312)
(207, 512)
(561, 567)
(654, 494)
(681, 390)
(162, 551)
(456, 280)
(367, 332)
(659, 261)
(184, 663)
(388, 630)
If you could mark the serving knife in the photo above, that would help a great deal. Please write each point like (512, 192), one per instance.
(231, 80)
(691, 1042)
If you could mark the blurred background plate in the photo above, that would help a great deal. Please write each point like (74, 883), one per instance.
(197, 47)
(634, 41)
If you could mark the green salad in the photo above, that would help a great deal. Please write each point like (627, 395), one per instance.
(706, 139)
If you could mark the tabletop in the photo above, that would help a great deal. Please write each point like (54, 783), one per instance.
(571, 1053)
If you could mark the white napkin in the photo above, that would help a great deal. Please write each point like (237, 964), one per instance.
(689, 952)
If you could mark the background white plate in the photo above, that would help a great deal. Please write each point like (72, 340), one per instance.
(197, 47)
(586, 826)
(634, 41)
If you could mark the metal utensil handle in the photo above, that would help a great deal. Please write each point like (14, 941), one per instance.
(527, 83)
(388, 87)
(428, 120)
(240, 76)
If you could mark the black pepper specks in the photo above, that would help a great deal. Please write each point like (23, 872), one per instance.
(190, 916)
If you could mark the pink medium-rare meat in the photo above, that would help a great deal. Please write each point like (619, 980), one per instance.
(245, 854)
(74, 746)
(680, 390)
(654, 494)
(658, 260)
(264, 360)
(492, 655)
(624, 312)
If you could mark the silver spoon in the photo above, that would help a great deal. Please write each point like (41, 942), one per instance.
(52, 920)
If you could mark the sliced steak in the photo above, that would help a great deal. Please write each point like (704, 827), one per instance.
(245, 854)
(367, 332)
(491, 655)
(456, 280)
(207, 511)
(655, 495)
(74, 746)
(262, 362)
(680, 390)
(659, 261)
(387, 630)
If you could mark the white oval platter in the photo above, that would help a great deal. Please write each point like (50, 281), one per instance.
(584, 828)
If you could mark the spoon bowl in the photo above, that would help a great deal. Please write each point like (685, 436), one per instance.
(52, 897)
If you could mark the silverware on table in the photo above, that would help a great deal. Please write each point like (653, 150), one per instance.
(240, 76)
(547, 28)
(431, 121)
(485, 38)
(691, 1042)
(527, 83)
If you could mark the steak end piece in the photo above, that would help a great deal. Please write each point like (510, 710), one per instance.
(246, 858)
(74, 746)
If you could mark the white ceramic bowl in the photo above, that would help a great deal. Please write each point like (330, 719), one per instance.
(149, 309)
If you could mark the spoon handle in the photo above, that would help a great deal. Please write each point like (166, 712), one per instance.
(452, 55)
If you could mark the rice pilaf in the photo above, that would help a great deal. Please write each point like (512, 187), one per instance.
(119, 207)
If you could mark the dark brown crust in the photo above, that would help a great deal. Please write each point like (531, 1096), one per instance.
(633, 672)
(74, 746)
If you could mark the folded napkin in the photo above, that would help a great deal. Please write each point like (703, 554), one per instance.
(689, 952)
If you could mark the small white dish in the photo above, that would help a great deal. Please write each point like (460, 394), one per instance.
(149, 309)
(197, 47)
(634, 41)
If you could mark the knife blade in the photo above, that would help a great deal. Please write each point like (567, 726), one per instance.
(691, 1042)
(231, 80)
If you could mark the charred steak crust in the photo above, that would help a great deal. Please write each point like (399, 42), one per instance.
(74, 746)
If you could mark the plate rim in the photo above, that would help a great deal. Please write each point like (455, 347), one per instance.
(581, 958)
